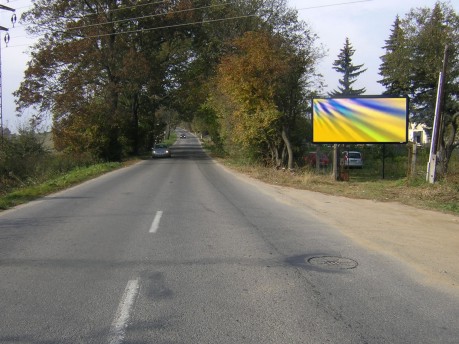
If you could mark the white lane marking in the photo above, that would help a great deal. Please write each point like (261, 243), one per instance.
(119, 324)
(155, 224)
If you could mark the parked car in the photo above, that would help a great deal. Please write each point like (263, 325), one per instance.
(352, 159)
(160, 150)
(182, 136)
(311, 159)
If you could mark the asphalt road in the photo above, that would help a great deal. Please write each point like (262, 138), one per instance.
(180, 251)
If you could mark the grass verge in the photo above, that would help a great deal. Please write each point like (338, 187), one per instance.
(27, 193)
(441, 196)
(31, 192)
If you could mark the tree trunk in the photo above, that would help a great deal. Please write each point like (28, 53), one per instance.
(288, 145)
(448, 144)
(135, 124)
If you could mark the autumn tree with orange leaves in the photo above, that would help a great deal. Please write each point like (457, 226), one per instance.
(260, 93)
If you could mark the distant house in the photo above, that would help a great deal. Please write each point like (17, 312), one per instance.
(418, 133)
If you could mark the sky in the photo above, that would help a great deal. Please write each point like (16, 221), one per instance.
(14, 58)
(367, 24)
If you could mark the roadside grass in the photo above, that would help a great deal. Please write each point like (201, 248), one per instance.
(31, 190)
(366, 183)
(29, 193)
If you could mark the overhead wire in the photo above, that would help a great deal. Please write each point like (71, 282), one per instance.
(188, 10)
(195, 23)
(141, 17)
(333, 5)
(149, 16)
(183, 24)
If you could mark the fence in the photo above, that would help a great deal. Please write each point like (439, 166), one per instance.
(390, 161)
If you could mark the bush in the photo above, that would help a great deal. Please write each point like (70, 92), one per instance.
(25, 160)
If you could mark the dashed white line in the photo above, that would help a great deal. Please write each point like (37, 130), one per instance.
(119, 324)
(155, 224)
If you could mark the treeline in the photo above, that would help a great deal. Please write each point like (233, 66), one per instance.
(116, 74)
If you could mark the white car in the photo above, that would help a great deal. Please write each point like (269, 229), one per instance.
(352, 159)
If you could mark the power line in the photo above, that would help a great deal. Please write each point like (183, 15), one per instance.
(172, 26)
(333, 5)
(141, 17)
(215, 20)
(149, 16)
(133, 6)
(184, 24)
(186, 10)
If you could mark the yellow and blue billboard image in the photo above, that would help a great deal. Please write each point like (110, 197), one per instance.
(364, 119)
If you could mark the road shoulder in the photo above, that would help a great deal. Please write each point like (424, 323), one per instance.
(425, 240)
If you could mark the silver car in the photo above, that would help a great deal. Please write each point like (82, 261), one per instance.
(352, 159)
(160, 150)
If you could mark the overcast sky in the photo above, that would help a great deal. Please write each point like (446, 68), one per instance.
(366, 23)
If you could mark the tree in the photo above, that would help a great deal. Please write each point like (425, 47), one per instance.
(102, 68)
(350, 72)
(415, 65)
(394, 63)
(21, 156)
(250, 78)
(210, 42)
(98, 73)
(196, 98)
(74, 65)
(261, 95)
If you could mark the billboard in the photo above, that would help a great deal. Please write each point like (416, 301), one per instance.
(360, 119)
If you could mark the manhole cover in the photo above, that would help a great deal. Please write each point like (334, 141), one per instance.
(333, 263)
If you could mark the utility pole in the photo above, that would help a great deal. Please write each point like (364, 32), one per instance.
(6, 8)
(436, 131)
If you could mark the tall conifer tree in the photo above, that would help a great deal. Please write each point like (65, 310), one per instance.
(350, 72)
(393, 69)
(412, 63)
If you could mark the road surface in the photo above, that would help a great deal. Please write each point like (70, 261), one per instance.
(182, 251)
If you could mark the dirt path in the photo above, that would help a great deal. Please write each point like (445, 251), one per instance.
(427, 241)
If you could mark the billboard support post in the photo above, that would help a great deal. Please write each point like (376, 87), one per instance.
(383, 160)
(336, 162)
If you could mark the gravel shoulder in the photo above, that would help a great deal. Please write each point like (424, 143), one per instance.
(426, 241)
